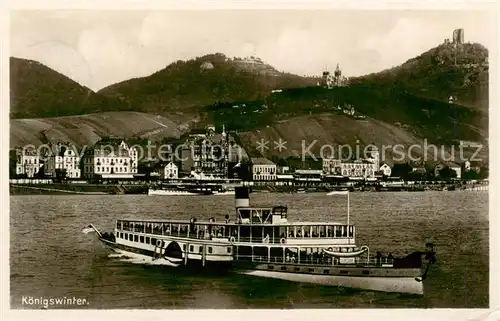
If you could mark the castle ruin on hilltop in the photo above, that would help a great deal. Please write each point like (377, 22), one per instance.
(335, 80)
(458, 38)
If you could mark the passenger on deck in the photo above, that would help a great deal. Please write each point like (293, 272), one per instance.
(379, 258)
(287, 258)
(292, 259)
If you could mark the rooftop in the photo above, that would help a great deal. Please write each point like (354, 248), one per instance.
(261, 161)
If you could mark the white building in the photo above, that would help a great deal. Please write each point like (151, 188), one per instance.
(358, 169)
(263, 169)
(332, 166)
(457, 169)
(65, 159)
(27, 162)
(170, 171)
(386, 169)
(110, 157)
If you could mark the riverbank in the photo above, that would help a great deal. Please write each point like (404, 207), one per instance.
(103, 189)
(75, 189)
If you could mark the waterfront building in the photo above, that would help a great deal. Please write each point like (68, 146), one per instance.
(27, 162)
(304, 177)
(170, 171)
(210, 154)
(263, 169)
(386, 169)
(457, 169)
(110, 158)
(358, 169)
(64, 159)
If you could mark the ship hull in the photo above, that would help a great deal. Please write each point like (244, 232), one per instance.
(152, 257)
(383, 284)
(160, 192)
(383, 279)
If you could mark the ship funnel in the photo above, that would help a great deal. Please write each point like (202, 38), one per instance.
(241, 196)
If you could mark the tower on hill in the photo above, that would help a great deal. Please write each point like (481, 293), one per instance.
(458, 37)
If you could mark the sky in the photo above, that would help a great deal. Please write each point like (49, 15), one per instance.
(99, 48)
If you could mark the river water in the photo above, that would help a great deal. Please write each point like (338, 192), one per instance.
(51, 258)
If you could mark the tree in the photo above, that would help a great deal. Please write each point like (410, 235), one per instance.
(447, 173)
(401, 170)
(61, 174)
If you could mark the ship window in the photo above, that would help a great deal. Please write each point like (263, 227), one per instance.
(271, 267)
(344, 272)
(153, 241)
(121, 235)
(209, 249)
(126, 236)
(201, 249)
(147, 240)
(184, 247)
(191, 248)
(366, 272)
(283, 268)
(136, 238)
(297, 269)
(311, 270)
(142, 239)
(228, 250)
(326, 271)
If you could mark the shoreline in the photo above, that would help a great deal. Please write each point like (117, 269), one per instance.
(115, 189)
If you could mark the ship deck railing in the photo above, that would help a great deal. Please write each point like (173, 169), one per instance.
(324, 261)
(241, 239)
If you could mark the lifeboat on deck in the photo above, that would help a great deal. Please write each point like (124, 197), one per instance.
(331, 252)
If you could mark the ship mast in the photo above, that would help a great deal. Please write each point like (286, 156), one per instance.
(348, 207)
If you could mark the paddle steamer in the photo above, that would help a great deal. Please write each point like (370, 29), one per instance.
(262, 242)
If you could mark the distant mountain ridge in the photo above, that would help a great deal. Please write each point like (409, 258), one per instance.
(39, 91)
(441, 72)
(203, 81)
(409, 101)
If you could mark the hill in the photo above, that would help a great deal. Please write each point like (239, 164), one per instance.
(407, 103)
(422, 117)
(38, 91)
(188, 85)
(322, 133)
(87, 129)
(442, 72)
